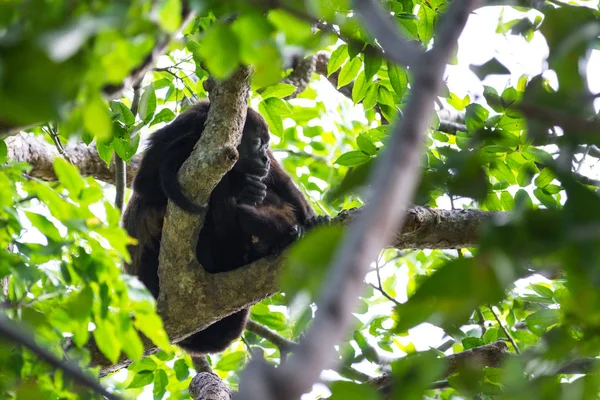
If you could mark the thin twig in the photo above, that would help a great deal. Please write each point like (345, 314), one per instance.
(120, 167)
(53, 133)
(481, 321)
(583, 157)
(504, 329)
(379, 286)
(10, 331)
(282, 343)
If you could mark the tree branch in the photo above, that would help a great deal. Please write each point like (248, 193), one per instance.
(179, 271)
(208, 386)
(10, 331)
(380, 25)
(396, 175)
(424, 228)
(23, 147)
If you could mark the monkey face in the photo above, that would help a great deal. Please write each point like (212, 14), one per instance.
(253, 157)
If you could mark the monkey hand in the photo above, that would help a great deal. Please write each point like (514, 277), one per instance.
(316, 221)
(254, 190)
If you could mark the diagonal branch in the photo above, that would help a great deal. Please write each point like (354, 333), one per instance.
(396, 176)
(380, 25)
(13, 333)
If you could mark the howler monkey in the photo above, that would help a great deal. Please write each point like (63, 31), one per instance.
(254, 211)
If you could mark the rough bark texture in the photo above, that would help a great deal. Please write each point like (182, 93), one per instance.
(183, 304)
(491, 355)
(208, 386)
(205, 298)
(301, 75)
(40, 155)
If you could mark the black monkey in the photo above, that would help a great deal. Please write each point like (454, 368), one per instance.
(254, 211)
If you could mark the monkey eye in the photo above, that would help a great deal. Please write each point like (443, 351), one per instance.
(256, 143)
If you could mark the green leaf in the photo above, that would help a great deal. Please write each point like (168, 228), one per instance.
(352, 158)
(125, 146)
(343, 390)
(371, 96)
(542, 291)
(385, 97)
(182, 371)
(450, 295)
(161, 380)
(526, 173)
(546, 199)
(277, 106)
(147, 105)
(544, 178)
(490, 336)
(272, 117)
(274, 320)
(471, 342)
(426, 23)
(414, 373)
(151, 326)
(302, 323)
(3, 152)
(219, 49)
(122, 113)
(359, 90)
(106, 339)
(169, 15)
(501, 171)
(279, 90)
(145, 364)
(366, 145)
(337, 59)
(308, 259)
(522, 200)
(508, 203)
(141, 379)
(398, 78)
(543, 318)
(491, 67)
(372, 63)
(105, 152)
(296, 30)
(475, 117)
(349, 72)
(69, 177)
(232, 361)
(80, 306)
(134, 348)
(96, 119)
(457, 102)
(46, 227)
(367, 350)
(164, 115)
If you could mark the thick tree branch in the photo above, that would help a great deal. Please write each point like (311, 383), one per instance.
(424, 228)
(395, 177)
(179, 271)
(492, 355)
(40, 155)
(208, 386)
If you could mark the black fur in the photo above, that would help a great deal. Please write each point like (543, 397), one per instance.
(254, 211)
